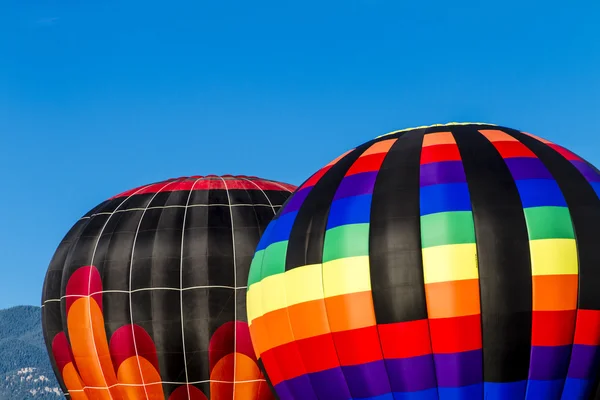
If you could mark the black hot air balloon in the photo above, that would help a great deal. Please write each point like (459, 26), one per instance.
(145, 296)
(444, 262)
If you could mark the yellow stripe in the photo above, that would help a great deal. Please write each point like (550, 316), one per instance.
(451, 262)
(304, 284)
(553, 257)
(346, 275)
(253, 302)
(308, 283)
(278, 291)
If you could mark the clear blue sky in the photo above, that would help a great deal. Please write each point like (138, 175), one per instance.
(97, 97)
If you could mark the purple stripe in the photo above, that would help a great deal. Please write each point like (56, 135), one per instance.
(328, 384)
(367, 380)
(527, 168)
(549, 362)
(296, 201)
(587, 171)
(584, 359)
(442, 172)
(411, 374)
(287, 392)
(458, 369)
(357, 184)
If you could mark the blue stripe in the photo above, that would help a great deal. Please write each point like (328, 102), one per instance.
(277, 231)
(547, 390)
(502, 391)
(471, 392)
(540, 192)
(350, 210)
(446, 197)
(429, 394)
(576, 389)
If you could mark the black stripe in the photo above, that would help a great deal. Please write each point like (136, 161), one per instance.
(503, 258)
(395, 256)
(584, 207)
(306, 238)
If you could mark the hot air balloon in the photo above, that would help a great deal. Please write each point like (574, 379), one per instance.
(145, 296)
(457, 261)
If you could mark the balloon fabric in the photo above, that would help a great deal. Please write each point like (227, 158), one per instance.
(145, 296)
(457, 261)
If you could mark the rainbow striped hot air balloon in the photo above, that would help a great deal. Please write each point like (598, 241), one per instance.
(145, 296)
(457, 261)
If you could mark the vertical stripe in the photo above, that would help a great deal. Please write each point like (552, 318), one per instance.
(396, 269)
(554, 270)
(503, 263)
(307, 234)
(450, 271)
(345, 265)
(584, 207)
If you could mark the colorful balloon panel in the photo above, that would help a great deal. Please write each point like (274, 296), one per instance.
(454, 261)
(145, 295)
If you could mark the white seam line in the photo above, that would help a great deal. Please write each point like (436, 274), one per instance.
(181, 287)
(234, 284)
(167, 383)
(137, 231)
(176, 206)
(145, 290)
(90, 284)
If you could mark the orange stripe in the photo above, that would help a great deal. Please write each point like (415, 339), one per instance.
(350, 311)
(432, 139)
(494, 135)
(308, 319)
(379, 147)
(312, 318)
(538, 138)
(73, 382)
(85, 324)
(271, 330)
(555, 292)
(135, 371)
(452, 298)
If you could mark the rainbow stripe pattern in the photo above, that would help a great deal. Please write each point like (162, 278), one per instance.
(443, 262)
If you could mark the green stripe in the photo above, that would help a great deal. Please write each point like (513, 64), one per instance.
(346, 241)
(274, 259)
(254, 275)
(549, 223)
(453, 227)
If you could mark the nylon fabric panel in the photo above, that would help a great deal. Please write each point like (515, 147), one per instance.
(396, 271)
(503, 262)
(171, 263)
(306, 238)
(396, 265)
(584, 208)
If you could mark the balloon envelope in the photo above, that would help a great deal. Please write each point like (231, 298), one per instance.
(145, 296)
(447, 262)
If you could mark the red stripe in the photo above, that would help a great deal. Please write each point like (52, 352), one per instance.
(394, 339)
(457, 334)
(312, 181)
(369, 163)
(569, 155)
(552, 328)
(510, 149)
(587, 328)
(358, 346)
(313, 354)
(440, 152)
(204, 183)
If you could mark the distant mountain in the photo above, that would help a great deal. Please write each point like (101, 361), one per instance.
(25, 370)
